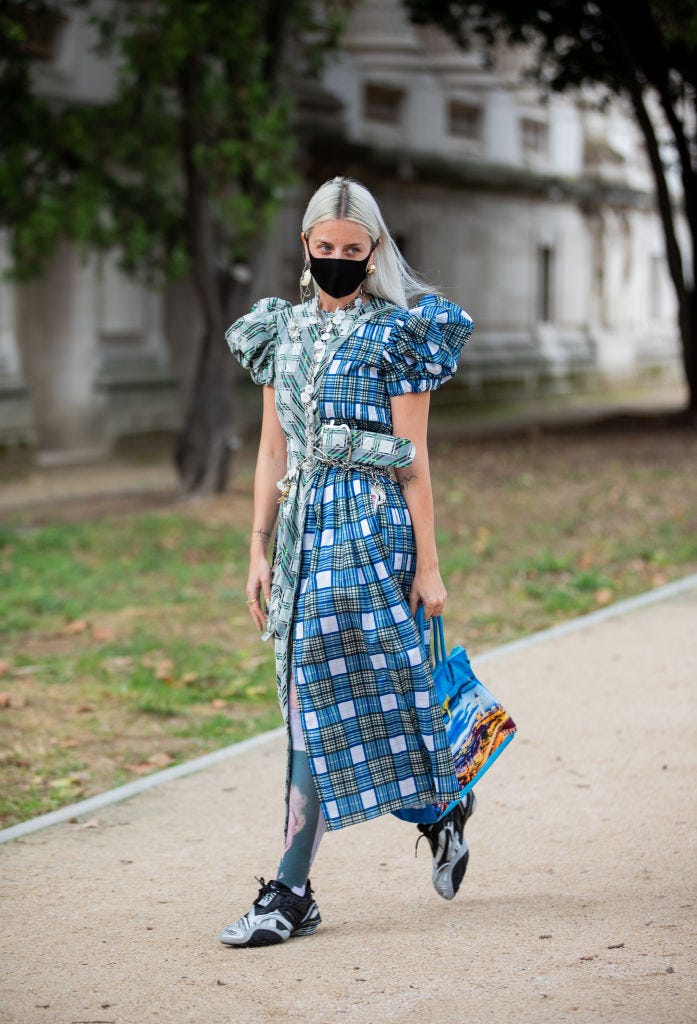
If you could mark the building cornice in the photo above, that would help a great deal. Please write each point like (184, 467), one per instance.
(331, 153)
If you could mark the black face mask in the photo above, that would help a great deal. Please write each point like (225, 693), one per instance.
(339, 277)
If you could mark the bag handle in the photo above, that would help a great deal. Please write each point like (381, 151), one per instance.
(440, 655)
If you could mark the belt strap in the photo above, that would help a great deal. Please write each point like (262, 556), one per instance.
(365, 447)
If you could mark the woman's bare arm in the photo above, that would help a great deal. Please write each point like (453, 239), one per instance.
(410, 419)
(271, 466)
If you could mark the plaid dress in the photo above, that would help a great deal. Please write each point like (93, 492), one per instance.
(345, 556)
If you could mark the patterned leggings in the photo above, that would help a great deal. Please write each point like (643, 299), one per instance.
(305, 820)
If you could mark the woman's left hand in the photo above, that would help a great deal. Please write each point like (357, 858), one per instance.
(428, 590)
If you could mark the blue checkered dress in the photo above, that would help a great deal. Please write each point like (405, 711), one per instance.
(372, 725)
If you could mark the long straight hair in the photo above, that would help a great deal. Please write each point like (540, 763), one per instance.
(346, 199)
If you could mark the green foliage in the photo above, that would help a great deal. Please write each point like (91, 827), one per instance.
(615, 48)
(200, 88)
(128, 646)
(581, 43)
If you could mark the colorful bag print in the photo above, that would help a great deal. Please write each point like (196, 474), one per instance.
(477, 726)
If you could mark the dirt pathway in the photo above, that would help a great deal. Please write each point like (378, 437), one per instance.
(579, 903)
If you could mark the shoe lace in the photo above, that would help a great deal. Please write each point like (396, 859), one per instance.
(430, 834)
(272, 886)
(265, 887)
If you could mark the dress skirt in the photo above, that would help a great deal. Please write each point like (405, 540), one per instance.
(373, 728)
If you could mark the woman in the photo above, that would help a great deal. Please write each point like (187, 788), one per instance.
(346, 379)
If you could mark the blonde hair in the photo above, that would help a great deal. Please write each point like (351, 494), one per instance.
(346, 199)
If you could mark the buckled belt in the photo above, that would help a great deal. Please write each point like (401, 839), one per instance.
(342, 443)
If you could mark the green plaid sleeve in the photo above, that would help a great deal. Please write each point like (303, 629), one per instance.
(252, 339)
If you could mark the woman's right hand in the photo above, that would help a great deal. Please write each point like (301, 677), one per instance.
(258, 583)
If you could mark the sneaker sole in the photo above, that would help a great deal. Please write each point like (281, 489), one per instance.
(261, 936)
(446, 883)
(309, 924)
(449, 882)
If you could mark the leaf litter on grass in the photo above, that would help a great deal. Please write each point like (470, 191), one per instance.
(126, 646)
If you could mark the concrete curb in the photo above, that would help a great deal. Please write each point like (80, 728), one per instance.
(178, 771)
(114, 796)
(630, 604)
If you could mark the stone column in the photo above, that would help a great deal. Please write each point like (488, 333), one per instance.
(9, 353)
(15, 415)
(59, 339)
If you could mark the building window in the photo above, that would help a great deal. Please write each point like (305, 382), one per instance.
(382, 103)
(545, 269)
(534, 137)
(464, 120)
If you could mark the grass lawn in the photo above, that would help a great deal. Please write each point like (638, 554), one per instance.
(125, 644)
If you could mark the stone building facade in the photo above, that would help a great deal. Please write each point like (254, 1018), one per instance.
(537, 215)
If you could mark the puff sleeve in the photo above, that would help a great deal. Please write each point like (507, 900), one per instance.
(424, 345)
(252, 338)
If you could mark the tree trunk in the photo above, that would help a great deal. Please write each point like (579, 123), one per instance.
(208, 437)
(656, 69)
(690, 353)
(687, 323)
(687, 320)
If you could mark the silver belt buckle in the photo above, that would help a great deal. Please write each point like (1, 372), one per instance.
(346, 427)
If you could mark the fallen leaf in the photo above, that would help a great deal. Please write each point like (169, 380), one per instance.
(12, 700)
(482, 540)
(603, 596)
(65, 744)
(164, 671)
(103, 634)
(66, 782)
(13, 760)
(189, 677)
(83, 709)
(161, 759)
(76, 626)
(5, 668)
(218, 702)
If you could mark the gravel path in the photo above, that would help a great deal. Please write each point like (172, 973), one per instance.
(579, 903)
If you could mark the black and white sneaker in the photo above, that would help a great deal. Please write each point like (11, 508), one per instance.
(449, 847)
(277, 914)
